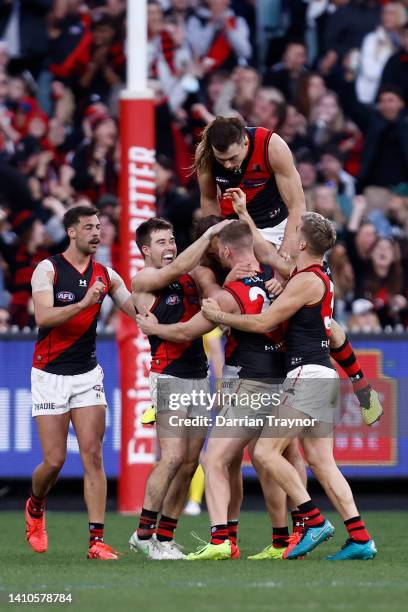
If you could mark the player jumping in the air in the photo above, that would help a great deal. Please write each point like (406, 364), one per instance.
(166, 288)
(260, 163)
(66, 380)
(310, 393)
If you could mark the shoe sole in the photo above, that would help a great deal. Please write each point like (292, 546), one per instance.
(218, 558)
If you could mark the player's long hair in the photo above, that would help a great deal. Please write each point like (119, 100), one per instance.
(220, 134)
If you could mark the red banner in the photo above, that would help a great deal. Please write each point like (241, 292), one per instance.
(137, 194)
(354, 442)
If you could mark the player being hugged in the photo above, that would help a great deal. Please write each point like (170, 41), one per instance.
(168, 287)
(66, 381)
(310, 392)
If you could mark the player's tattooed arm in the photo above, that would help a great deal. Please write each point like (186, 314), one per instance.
(151, 279)
(48, 315)
(265, 252)
(208, 194)
(120, 294)
(288, 182)
(302, 290)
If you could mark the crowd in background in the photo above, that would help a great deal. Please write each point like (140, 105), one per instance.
(329, 76)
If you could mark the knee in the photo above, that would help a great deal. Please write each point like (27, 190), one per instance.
(55, 461)
(189, 468)
(92, 457)
(259, 458)
(173, 460)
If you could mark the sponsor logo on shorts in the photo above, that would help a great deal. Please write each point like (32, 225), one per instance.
(99, 390)
(45, 406)
(173, 300)
(65, 296)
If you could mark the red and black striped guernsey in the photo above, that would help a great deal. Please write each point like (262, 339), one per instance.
(178, 303)
(257, 179)
(70, 348)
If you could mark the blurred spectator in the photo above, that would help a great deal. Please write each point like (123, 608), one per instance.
(293, 129)
(23, 28)
(286, 74)
(323, 201)
(266, 110)
(219, 38)
(107, 252)
(105, 61)
(306, 167)
(22, 257)
(169, 58)
(377, 48)
(343, 279)
(4, 321)
(331, 168)
(383, 283)
(311, 88)
(360, 237)
(385, 154)
(179, 11)
(327, 123)
(238, 93)
(347, 27)
(173, 203)
(396, 69)
(94, 162)
(364, 318)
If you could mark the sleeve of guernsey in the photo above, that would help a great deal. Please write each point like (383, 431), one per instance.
(41, 279)
(120, 294)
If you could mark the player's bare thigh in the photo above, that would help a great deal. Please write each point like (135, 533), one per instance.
(53, 434)
(224, 451)
(89, 423)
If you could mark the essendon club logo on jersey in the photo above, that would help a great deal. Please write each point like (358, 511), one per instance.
(172, 300)
(65, 296)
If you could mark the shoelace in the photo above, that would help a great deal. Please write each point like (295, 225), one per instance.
(179, 547)
(203, 543)
(105, 547)
(37, 525)
(295, 538)
(347, 542)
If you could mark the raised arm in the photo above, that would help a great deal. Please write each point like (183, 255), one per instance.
(301, 290)
(208, 194)
(153, 279)
(288, 182)
(48, 315)
(265, 252)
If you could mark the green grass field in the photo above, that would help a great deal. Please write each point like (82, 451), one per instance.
(133, 583)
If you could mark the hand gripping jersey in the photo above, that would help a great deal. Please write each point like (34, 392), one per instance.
(308, 331)
(257, 180)
(70, 348)
(258, 355)
(177, 303)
